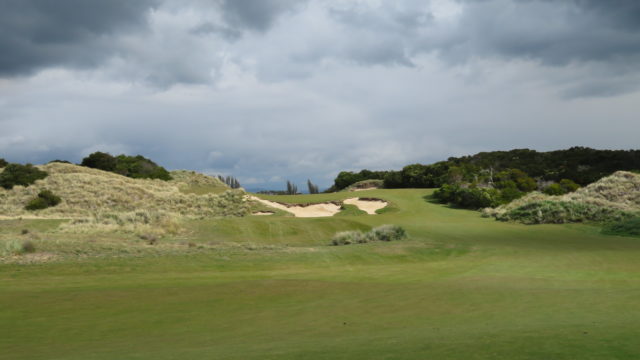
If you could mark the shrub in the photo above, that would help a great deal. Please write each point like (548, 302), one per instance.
(3, 163)
(389, 233)
(509, 194)
(381, 233)
(626, 227)
(28, 247)
(45, 199)
(565, 186)
(468, 198)
(17, 247)
(101, 161)
(137, 167)
(17, 174)
(59, 161)
(558, 212)
(554, 189)
(347, 238)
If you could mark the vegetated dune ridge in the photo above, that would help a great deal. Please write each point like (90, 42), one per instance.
(86, 192)
(366, 185)
(617, 192)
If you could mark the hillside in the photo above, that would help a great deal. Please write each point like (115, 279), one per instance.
(86, 192)
(611, 197)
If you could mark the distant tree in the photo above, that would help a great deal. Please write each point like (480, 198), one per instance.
(3, 163)
(313, 188)
(230, 181)
(292, 189)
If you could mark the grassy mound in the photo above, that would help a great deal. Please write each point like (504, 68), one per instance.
(191, 182)
(86, 192)
(614, 198)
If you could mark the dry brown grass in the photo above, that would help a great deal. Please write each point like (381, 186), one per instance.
(102, 200)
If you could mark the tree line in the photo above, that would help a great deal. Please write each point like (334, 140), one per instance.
(493, 178)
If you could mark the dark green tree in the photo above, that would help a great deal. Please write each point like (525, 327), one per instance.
(17, 174)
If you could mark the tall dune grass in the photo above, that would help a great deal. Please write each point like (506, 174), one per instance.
(94, 197)
(615, 197)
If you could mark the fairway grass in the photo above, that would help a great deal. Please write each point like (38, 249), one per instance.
(271, 287)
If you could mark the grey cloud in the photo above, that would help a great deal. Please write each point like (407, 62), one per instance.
(39, 33)
(256, 14)
(553, 32)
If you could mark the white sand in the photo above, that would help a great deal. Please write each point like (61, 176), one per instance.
(370, 206)
(313, 210)
(321, 209)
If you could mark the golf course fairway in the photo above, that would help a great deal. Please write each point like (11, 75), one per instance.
(460, 287)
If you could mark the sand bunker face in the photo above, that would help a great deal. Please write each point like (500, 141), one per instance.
(313, 210)
(323, 209)
(368, 205)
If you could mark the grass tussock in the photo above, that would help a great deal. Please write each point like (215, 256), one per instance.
(626, 227)
(380, 233)
(17, 247)
(613, 198)
(86, 192)
(142, 223)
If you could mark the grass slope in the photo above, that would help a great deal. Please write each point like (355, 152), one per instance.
(86, 191)
(461, 287)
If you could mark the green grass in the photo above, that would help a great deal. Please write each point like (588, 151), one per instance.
(461, 287)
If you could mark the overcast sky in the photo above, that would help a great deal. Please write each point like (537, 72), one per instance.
(268, 90)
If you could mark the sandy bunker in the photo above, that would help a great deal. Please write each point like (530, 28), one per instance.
(368, 205)
(324, 209)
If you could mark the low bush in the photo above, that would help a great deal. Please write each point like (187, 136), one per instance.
(388, 233)
(45, 199)
(137, 167)
(565, 186)
(17, 247)
(626, 227)
(380, 233)
(17, 174)
(468, 198)
(559, 212)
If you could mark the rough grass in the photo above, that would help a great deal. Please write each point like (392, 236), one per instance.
(612, 198)
(626, 227)
(380, 233)
(86, 192)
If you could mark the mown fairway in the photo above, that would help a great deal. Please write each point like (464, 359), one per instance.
(462, 287)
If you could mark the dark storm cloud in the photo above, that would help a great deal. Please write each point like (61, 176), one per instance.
(553, 32)
(40, 33)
